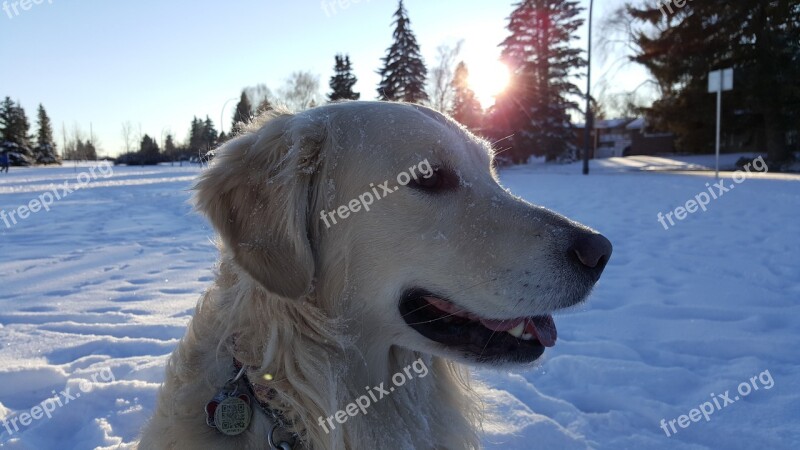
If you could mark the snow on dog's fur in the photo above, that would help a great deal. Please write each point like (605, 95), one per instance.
(319, 309)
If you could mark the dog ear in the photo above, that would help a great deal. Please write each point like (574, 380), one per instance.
(256, 194)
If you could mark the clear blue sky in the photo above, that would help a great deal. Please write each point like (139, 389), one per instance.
(159, 63)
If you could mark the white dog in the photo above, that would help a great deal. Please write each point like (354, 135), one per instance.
(327, 296)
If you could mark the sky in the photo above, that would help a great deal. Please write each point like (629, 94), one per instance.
(96, 64)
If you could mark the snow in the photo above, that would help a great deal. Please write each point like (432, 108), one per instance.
(97, 291)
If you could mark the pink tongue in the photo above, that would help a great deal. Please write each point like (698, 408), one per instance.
(501, 325)
(544, 328)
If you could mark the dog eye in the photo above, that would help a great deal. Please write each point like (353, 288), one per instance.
(438, 180)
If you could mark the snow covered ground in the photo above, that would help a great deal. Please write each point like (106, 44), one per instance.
(95, 293)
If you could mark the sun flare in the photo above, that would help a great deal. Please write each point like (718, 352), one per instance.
(488, 80)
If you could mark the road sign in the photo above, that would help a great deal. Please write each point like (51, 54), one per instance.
(719, 81)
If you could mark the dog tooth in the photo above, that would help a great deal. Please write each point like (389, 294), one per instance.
(517, 330)
(527, 337)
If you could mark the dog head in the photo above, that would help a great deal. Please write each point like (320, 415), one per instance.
(393, 214)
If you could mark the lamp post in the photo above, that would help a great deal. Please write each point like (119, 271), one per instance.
(589, 119)
(222, 114)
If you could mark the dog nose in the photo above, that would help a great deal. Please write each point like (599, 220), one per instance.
(593, 252)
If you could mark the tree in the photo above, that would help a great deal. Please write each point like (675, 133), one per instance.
(149, 151)
(243, 114)
(343, 80)
(15, 127)
(195, 144)
(534, 109)
(466, 107)
(403, 73)
(442, 91)
(210, 135)
(170, 150)
(301, 91)
(45, 150)
(263, 107)
(760, 40)
(127, 136)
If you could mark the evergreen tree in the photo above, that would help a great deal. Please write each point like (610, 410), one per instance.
(195, 144)
(149, 151)
(210, 135)
(760, 40)
(170, 150)
(466, 107)
(343, 80)
(6, 118)
(263, 107)
(539, 55)
(403, 73)
(15, 128)
(45, 144)
(243, 114)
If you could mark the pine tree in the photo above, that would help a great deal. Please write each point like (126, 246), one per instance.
(243, 114)
(45, 150)
(6, 118)
(760, 40)
(403, 73)
(466, 107)
(170, 150)
(263, 107)
(210, 135)
(535, 107)
(195, 144)
(15, 128)
(149, 151)
(343, 80)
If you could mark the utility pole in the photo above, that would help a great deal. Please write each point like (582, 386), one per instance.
(587, 133)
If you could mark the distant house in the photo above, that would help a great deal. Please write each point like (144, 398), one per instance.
(625, 137)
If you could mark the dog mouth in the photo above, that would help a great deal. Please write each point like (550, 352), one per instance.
(518, 340)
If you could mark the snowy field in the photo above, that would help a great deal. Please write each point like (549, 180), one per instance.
(96, 292)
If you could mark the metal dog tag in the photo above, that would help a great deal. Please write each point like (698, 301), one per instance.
(232, 415)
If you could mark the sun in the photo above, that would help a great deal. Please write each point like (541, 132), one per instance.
(488, 79)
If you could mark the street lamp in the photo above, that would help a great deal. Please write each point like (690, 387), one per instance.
(589, 119)
(222, 114)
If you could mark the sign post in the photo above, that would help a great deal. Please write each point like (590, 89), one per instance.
(719, 81)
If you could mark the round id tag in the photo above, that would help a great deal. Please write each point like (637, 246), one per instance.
(232, 416)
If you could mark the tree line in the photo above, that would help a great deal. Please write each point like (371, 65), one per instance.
(535, 114)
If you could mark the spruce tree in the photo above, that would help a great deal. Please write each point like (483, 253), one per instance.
(343, 80)
(534, 109)
(243, 114)
(195, 143)
(760, 40)
(210, 135)
(466, 107)
(45, 144)
(403, 73)
(15, 128)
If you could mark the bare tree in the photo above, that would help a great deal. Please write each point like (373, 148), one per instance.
(441, 88)
(301, 91)
(258, 95)
(127, 136)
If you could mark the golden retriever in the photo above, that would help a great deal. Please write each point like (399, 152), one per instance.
(326, 298)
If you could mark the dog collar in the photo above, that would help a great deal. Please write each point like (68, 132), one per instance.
(262, 395)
